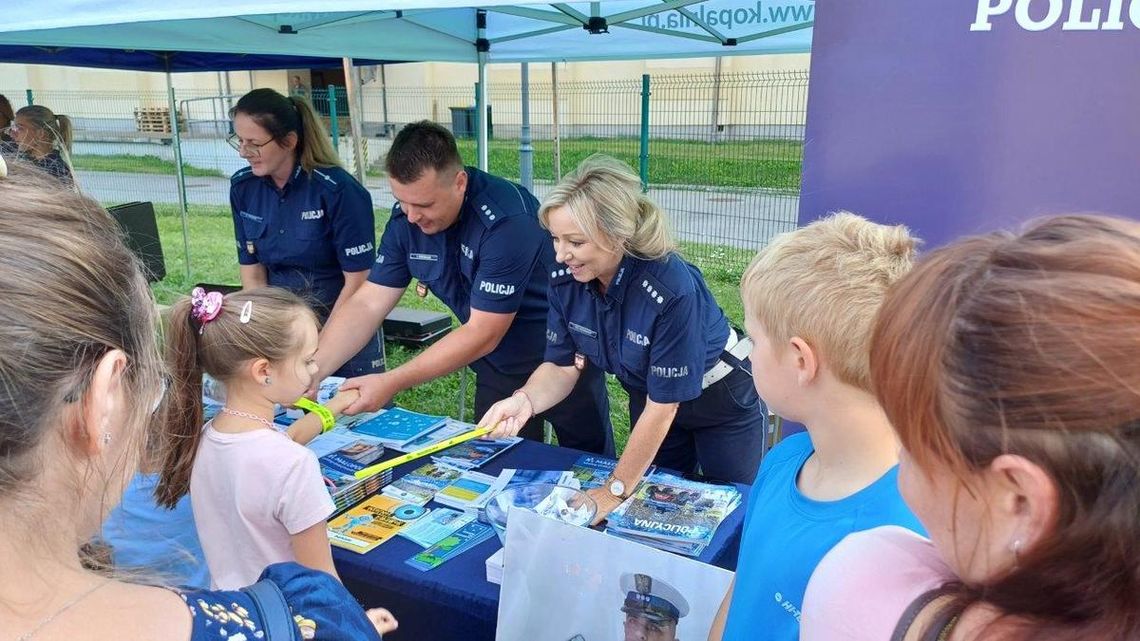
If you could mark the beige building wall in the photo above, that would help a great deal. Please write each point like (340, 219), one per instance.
(417, 90)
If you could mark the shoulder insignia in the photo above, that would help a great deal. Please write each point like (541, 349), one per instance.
(559, 275)
(650, 286)
(327, 178)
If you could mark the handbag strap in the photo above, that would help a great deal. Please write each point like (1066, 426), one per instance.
(276, 618)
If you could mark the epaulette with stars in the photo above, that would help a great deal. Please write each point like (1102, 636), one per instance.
(658, 294)
(559, 275)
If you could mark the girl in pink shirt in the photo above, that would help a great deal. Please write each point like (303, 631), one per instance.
(258, 497)
(1009, 365)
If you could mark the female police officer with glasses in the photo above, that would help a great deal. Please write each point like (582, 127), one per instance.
(301, 221)
(627, 303)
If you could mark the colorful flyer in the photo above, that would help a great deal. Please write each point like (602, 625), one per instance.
(436, 526)
(367, 525)
(464, 539)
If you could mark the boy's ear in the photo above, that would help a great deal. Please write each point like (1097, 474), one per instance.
(806, 360)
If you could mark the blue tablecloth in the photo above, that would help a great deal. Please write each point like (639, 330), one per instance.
(455, 600)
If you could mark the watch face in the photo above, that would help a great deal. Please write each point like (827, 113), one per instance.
(617, 488)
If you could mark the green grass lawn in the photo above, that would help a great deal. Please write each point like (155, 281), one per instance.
(774, 164)
(137, 164)
(214, 260)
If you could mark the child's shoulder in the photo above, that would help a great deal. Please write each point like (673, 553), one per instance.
(794, 448)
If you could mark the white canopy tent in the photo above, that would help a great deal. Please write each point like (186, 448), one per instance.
(418, 30)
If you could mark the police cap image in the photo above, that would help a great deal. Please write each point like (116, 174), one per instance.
(652, 608)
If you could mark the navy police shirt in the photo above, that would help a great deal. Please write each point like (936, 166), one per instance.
(657, 327)
(307, 234)
(494, 259)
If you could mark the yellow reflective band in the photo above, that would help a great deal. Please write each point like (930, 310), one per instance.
(327, 418)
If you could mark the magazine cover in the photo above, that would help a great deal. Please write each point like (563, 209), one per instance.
(672, 508)
(367, 525)
(441, 433)
(399, 426)
(592, 470)
(422, 483)
(604, 588)
(472, 490)
(340, 466)
(476, 452)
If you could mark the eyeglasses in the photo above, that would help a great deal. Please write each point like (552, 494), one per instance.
(253, 149)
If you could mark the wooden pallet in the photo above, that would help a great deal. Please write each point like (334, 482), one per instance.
(156, 120)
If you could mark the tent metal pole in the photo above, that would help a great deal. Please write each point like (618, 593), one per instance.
(526, 150)
(481, 88)
(554, 114)
(180, 174)
(644, 156)
(384, 98)
(355, 113)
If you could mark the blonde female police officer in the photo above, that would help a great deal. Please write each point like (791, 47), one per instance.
(624, 301)
(301, 221)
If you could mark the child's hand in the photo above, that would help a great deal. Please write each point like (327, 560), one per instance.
(342, 400)
(382, 619)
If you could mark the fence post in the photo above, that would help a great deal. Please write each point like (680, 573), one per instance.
(644, 156)
(31, 99)
(334, 127)
(180, 173)
(526, 150)
(554, 123)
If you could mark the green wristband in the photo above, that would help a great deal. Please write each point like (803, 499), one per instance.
(327, 418)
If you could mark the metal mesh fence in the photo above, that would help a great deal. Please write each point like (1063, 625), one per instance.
(724, 149)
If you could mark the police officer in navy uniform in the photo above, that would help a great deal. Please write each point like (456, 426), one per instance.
(652, 608)
(473, 240)
(301, 221)
(622, 300)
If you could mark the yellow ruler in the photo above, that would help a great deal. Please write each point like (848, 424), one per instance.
(431, 449)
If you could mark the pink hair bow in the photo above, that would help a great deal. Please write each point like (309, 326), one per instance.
(204, 306)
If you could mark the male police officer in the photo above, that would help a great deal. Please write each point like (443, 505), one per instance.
(474, 241)
(652, 608)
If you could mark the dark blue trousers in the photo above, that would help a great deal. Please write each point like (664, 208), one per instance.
(722, 430)
(581, 420)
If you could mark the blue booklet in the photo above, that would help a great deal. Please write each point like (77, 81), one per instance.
(398, 426)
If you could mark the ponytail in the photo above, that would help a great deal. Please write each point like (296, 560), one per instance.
(651, 239)
(281, 116)
(63, 133)
(604, 198)
(314, 146)
(182, 416)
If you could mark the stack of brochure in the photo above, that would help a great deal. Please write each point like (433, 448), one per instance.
(341, 454)
(471, 491)
(421, 484)
(475, 453)
(367, 525)
(592, 471)
(674, 514)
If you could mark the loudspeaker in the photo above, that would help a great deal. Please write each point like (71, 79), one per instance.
(140, 230)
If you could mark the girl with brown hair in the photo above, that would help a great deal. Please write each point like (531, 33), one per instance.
(80, 377)
(1009, 366)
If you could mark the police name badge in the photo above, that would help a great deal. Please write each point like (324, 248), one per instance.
(579, 361)
(250, 248)
(421, 290)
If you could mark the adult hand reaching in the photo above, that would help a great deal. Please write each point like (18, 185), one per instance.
(508, 415)
(376, 391)
(606, 502)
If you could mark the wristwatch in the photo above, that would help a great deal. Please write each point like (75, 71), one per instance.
(616, 487)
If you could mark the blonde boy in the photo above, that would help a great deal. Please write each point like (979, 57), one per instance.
(810, 301)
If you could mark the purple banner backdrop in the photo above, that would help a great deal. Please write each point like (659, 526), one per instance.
(961, 116)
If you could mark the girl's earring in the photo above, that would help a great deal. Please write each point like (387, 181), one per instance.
(267, 381)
